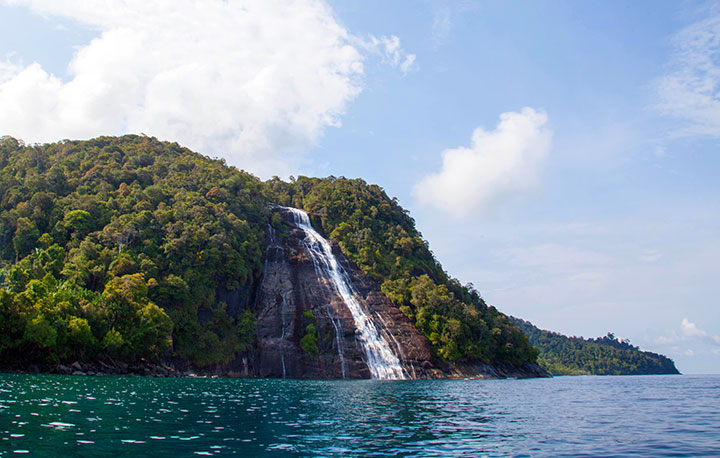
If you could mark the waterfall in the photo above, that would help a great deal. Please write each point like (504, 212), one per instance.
(338, 341)
(282, 336)
(381, 360)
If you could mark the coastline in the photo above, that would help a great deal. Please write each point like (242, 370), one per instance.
(447, 371)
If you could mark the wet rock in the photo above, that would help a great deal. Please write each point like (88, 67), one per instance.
(293, 294)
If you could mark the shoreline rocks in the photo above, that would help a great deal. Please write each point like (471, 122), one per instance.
(102, 368)
(449, 371)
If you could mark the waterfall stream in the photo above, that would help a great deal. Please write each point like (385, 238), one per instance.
(381, 360)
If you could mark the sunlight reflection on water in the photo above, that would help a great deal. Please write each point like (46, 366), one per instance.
(50, 415)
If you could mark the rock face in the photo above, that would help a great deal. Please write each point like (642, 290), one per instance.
(295, 293)
(298, 304)
(312, 323)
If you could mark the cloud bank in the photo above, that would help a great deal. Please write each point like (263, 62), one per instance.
(253, 81)
(691, 89)
(499, 165)
(689, 332)
(690, 329)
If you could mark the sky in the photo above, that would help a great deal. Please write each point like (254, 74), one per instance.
(562, 156)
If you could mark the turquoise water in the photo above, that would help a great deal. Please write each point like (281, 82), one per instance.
(51, 415)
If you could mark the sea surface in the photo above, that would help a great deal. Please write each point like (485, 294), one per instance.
(54, 415)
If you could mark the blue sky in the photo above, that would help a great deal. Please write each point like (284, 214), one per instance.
(561, 156)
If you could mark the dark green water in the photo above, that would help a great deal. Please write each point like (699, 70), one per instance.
(48, 415)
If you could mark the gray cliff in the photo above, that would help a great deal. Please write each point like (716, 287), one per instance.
(291, 286)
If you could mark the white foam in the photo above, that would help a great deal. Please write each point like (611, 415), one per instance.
(381, 360)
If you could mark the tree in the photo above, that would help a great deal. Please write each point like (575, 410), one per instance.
(26, 236)
(309, 341)
(152, 337)
(78, 223)
(122, 230)
(246, 330)
(80, 337)
(39, 332)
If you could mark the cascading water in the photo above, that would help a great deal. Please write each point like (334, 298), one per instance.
(381, 360)
(338, 341)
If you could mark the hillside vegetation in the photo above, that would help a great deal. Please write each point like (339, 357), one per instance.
(381, 238)
(562, 355)
(123, 247)
(112, 246)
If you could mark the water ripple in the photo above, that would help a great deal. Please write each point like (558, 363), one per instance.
(50, 415)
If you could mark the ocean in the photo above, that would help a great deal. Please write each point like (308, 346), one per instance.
(54, 415)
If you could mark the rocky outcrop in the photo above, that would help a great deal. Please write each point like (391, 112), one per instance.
(474, 370)
(305, 328)
(411, 347)
(291, 297)
(295, 298)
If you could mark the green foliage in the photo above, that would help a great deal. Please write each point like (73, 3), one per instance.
(53, 320)
(562, 355)
(246, 330)
(100, 239)
(152, 334)
(26, 235)
(309, 341)
(113, 342)
(380, 237)
(116, 246)
(77, 223)
(40, 332)
(79, 334)
(221, 338)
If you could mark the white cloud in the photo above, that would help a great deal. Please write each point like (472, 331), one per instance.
(254, 81)
(8, 69)
(688, 332)
(690, 329)
(691, 89)
(499, 165)
(444, 16)
(390, 50)
(667, 340)
(441, 25)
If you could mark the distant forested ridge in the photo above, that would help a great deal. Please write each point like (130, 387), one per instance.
(129, 248)
(562, 355)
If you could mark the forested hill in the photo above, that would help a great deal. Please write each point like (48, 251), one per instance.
(380, 237)
(562, 355)
(129, 248)
(113, 247)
